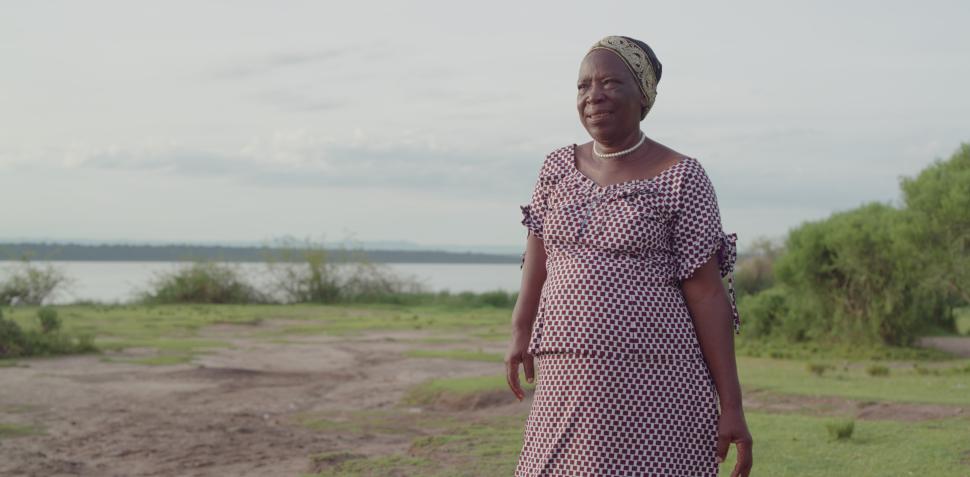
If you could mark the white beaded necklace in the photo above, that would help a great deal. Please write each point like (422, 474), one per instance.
(643, 137)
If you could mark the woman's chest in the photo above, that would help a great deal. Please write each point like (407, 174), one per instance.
(631, 218)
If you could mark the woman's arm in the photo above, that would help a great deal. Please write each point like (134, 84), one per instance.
(711, 313)
(524, 313)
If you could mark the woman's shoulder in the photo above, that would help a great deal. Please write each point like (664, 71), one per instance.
(558, 162)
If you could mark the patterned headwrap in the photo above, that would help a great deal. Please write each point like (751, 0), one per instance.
(641, 62)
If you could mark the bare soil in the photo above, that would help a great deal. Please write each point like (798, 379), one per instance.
(238, 411)
(957, 345)
(232, 412)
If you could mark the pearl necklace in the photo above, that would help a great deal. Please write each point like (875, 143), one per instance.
(643, 137)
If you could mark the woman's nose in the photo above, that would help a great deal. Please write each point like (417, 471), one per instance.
(594, 94)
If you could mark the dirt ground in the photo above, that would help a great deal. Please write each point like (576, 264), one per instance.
(231, 412)
(236, 411)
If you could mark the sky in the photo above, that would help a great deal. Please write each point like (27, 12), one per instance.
(427, 122)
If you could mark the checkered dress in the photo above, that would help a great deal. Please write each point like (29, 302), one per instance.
(622, 386)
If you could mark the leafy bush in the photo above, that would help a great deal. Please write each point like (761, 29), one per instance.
(307, 273)
(755, 268)
(840, 430)
(773, 313)
(936, 223)
(853, 280)
(819, 369)
(877, 370)
(32, 284)
(11, 337)
(201, 282)
(48, 340)
(874, 275)
(49, 322)
(303, 274)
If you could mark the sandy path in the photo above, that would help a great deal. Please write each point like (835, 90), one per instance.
(231, 412)
(958, 345)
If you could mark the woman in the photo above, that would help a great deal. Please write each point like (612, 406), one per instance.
(621, 304)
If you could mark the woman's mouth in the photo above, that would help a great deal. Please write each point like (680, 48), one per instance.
(595, 117)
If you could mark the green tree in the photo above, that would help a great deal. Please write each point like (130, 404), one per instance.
(936, 223)
(852, 283)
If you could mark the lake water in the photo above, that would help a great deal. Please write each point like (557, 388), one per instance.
(118, 281)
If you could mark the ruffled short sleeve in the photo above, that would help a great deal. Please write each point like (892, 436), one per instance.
(534, 211)
(697, 234)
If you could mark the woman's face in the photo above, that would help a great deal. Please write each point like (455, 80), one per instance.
(607, 97)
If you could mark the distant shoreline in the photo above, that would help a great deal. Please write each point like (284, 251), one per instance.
(41, 252)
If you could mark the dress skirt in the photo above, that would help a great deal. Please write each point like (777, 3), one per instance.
(604, 416)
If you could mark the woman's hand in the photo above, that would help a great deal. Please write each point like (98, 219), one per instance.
(517, 354)
(731, 427)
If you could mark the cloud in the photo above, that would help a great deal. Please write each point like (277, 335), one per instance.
(302, 159)
(276, 61)
(296, 101)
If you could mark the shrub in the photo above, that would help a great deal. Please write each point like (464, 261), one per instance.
(12, 339)
(308, 273)
(32, 284)
(49, 322)
(754, 271)
(935, 224)
(302, 274)
(877, 370)
(773, 312)
(201, 282)
(840, 430)
(819, 369)
(48, 340)
(855, 283)
(497, 298)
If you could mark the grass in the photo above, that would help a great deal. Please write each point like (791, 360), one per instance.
(8, 431)
(176, 327)
(437, 446)
(377, 421)
(906, 383)
(458, 389)
(456, 354)
(158, 360)
(799, 446)
(814, 351)
(840, 429)
(963, 320)
(453, 442)
(785, 446)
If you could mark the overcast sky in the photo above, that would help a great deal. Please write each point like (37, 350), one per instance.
(428, 121)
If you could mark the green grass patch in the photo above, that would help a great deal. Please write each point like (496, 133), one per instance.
(799, 446)
(945, 383)
(494, 333)
(763, 348)
(376, 421)
(17, 430)
(963, 320)
(177, 327)
(18, 408)
(382, 466)
(457, 354)
(159, 360)
(436, 390)
(386, 318)
(785, 446)
(440, 447)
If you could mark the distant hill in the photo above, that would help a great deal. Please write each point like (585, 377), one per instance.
(45, 251)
